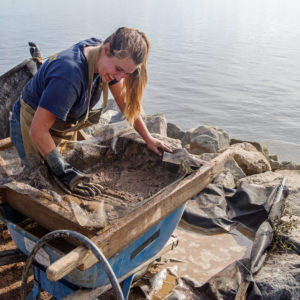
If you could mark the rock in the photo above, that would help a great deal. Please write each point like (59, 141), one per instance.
(231, 174)
(108, 115)
(291, 233)
(292, 178)
(156, 123)
(273, 157)
(97, 129)
(173, 143)
(234, 169)
(187, 137)
(206, 139)
(107, 131)
(225, 179)
(203, 144)
(259, 146)
(173, 131)
(111, 105)
(279, 277)
(267, 179)
(208, 156)
(292, 204)
(285, 165)
(243, 146)
(251, 162)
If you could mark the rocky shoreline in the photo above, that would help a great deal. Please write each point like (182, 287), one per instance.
(279, 277)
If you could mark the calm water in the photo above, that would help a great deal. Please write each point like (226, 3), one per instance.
(230, 63)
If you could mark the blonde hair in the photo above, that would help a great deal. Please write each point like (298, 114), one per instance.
(132, 43)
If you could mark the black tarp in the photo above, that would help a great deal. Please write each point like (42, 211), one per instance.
(251, 207)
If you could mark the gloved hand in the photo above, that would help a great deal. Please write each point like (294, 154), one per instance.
(69, 177)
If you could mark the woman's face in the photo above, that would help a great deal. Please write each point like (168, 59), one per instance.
(111, 67)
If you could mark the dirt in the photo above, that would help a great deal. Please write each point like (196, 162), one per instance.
(129, 176)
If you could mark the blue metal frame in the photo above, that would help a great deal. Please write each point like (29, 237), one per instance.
(132, 256)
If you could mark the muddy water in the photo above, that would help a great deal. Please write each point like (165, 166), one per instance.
(201, 256)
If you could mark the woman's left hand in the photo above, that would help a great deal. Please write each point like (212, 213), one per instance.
(154, 145)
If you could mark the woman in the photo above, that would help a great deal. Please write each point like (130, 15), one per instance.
(57, 101)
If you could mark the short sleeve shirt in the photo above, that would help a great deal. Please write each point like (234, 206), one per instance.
(61, 84)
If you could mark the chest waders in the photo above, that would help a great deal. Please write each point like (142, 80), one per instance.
(65, 134)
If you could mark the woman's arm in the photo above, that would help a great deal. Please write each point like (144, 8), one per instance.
(39, 130)
(139, 125)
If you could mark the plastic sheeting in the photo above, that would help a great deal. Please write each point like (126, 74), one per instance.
(252, 207)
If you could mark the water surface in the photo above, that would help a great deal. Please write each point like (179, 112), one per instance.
(232, 64)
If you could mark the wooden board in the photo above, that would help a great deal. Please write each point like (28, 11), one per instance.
(5, 143)
(129, 228)
(34, 208)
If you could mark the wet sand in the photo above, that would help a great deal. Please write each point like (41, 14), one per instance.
(200, 256)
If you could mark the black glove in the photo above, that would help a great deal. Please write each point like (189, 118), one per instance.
(70, 177)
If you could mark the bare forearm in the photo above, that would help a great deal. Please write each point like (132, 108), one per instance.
(39, 131)
(142, 129)
(44, 142)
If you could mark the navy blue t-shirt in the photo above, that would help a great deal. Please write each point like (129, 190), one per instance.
(61, 85)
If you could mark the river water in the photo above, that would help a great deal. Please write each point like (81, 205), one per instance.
(233, 64)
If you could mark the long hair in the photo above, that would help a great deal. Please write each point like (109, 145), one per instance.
(132, 43)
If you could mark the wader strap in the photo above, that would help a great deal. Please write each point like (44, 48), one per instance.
(91, 65)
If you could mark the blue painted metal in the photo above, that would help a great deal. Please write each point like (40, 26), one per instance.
(35, 292)
(126, 286)
(135, 254)
(58, 289)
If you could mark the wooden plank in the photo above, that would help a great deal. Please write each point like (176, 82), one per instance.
(5, 143)
(4, 172)
(34, 208)
(126, 230)
(11, 256)
(242, 291)
(81, 135)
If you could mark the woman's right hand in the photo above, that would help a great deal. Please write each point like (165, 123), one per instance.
(69, 178)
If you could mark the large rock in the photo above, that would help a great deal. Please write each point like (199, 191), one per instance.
(267, 179)
(259, 146)
(290, 235)
(292, 204)
(231, 174)
(271, 179)
(156, 123)
(207, 156)
(173, 143)
(279, 277)
(234, 169)
(111, 105)
(284, 165)
(187, 137)
(104, 131)
(225, 179)
(174, 132)
(292, 178)
(243, 146)
(206, 139)
(251, 162)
